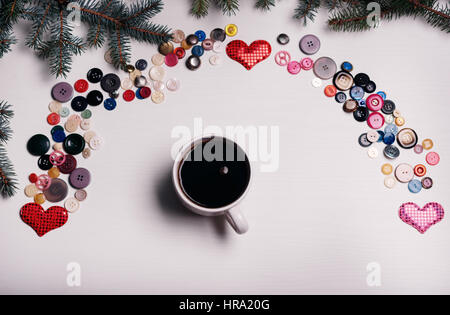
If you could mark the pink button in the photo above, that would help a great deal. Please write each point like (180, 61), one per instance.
(307, 63)
(294, 67)
(418, 149)
(432, 158)
(375, 120)
(374, 102)
(171, 60)
(282, 58)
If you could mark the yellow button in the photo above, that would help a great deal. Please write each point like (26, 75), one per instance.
(399, 121)
(39, 199)
(386, 169)
(231, 30)
(427, 144)
(53, 172)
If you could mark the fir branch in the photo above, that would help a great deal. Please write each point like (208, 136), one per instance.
(200, 8)
(265, 5)
(306, 9)
(145, 11)
(228, 7)
(40, 26)
(8, 183)
(6, 112)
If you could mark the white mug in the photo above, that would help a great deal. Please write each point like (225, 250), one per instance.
(232, 212)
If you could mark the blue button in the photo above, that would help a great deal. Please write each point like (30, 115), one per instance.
(347, 66)
(389, 138)
(110, 104)
(415, 186)
(381, 133)
(201, 35)
(59, 136)
(198, 51)
(138, 94)
(357, 93)
(362, 103)
(391, 128)
(382, 94)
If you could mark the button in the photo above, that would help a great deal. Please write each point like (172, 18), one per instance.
(141, 64)
(157, 73)
(58, 147)
(74, 144)
(71, 126)
(31, 190)
(128, 95)
(381, 135)
(158, 59)
(373, 136)
(157, 97)
(282, 58)
(200, 35)
(54, 106)
(39, 199)
(81, 195)
(85, 124)
(81, 86)
(404, 173)
(53, 119)
(193, 63)
(307, 63)
(44, 162)
(374, 102)
(407, 138)
(372, 152)
(38, 145)
(357, 93)
(57, 191)
(86, 153)
(420, 170)
(362, 103)
(218, 47)
(79, 103)
(391, 128)
(145, 92)
(309, 44)
(69, 165)
(389, 119)
(110, 82)
(418, 149)
(389, 182)
(107, 56)
(208, 44)
(361, 114)
(427, 183)
(386, 169)
(94, 98)
(218, 34)
(347, 66)
(399, 121)
(185, 45)
(324, 68)
(396, 113)
(158, 85)
(126, 84)
(364, 141)
(391, 152)
(382, 94)
(375, 120)
(89, 135)
(129, 68)
(316, 82)
(86, 114)
(370, 87)
(53, 172)
(350, 106)
(192, 40)
(231, 30)
(72, 205)
(80, 178)
(432, 158)
(415, 186)
(173, 84)
(294, 67)
(171, 59)
(362, 79)
(215, 60)
(64, 112)
(180, 52)
(330, 90)
(141, 81)
(165, 48)
(427, 144)
(32, 178)
(62, 92)
(178, 36)
(95, 143)
(198, 51)
(340, 97)
(43, 182)
(57, 158)
(389, 138)
(343, 80)
(283, 39)
(94, 75)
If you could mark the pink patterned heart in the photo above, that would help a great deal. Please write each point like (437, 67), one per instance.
(421, 219)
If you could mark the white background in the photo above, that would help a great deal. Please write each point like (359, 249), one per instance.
(315, 224)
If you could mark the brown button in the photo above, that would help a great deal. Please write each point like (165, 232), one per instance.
(185, 45)
(57, 191)
(350, 106)
(165, 48)
(407, 138)
(343, 80)
(129, 68)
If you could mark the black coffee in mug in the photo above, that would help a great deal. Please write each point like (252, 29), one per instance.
(215, 173)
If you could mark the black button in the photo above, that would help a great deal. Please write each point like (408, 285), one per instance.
(361, 79)
(110, 82)
(141, 64)
(218, 34)
(388, 107)
(283, 39)
(192, 40)
(94, 75)
(193, 63)
(38, 145)
(95, 98)
(361, 113)
(74, 144)
(44, 162)
(370, 87)
(340, 97)
(391, 152)
(79, 103)
(363, 141)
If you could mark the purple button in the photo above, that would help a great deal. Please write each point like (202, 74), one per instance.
(62, 92)
(309, 44)
(80, 178)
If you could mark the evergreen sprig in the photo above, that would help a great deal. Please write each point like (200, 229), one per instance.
(265, 5)
(8, 184)
(51, 34)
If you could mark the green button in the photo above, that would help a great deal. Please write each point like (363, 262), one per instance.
(86, 114)
(64, 112)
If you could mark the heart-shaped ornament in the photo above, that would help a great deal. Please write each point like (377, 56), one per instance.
(421, 219)
(43, 221)
(249, 56)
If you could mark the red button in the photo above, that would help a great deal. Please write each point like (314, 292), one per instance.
(180, 52)
(171, 60)
(53, 119)
(330, 90)
(128, 95)
(33, 178)
(81, 86)
(420, 170)
(145, 92)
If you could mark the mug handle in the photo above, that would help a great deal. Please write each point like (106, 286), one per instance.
(237, 220)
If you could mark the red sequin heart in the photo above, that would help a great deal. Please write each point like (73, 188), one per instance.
(249, 56)
(43, 221)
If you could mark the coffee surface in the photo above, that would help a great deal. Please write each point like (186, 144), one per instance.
(215, 173)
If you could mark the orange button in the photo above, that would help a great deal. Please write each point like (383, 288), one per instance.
(53, 119)
(330, 90)
(420, 170)
(427, 144)
(39, 199)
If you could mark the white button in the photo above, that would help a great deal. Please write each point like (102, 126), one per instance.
(215, 60)
(126, 84)
(133, 75)
(58, 147)
(158, 59)
(390, 182)
(373, 136)
(85, 124)
(72, 205)
(372, 152)
(31, 190)
(173, 84)
(404, 173)
(157, 73)
(158, 85)
(55, 106)
(95, 143)
(71, 126)
(157, 97)
(86, 153)
(89, 135)
(81, 195)
(316, 82)
(217, 47)
(389, 119)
